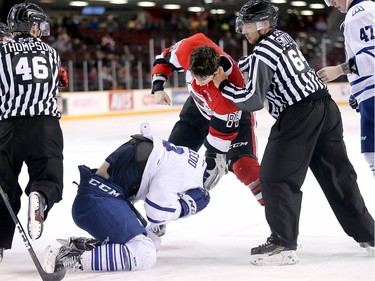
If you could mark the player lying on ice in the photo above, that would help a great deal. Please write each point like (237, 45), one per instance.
(168, 178)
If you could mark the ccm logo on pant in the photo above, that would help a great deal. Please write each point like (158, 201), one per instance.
(104, 187)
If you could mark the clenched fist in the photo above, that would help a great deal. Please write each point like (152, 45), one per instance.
(162, 97)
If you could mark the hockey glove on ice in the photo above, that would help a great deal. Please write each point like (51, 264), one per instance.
(155, 232)
(193, 201)
(353, 103)
(216, 168)
(63, 78)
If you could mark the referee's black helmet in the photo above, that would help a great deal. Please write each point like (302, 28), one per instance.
(259, 10)
(21, 18)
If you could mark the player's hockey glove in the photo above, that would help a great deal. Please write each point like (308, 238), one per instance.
(155, 232)
(216, 168)
(63, 78)
(193, 201)
(157, 229)
(353, 103)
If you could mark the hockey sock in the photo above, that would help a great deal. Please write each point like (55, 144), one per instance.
(138, 253)
(246, 170)
(370, 158)
(109, 257)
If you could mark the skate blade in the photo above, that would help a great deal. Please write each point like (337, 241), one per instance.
(49, 260)
(35, 220)
(64, 242)
(283, 258)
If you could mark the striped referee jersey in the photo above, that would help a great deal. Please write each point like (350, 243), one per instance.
(28, 78)
(279, 76)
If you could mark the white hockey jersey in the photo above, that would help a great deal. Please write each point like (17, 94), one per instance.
(170, 170)
(359, 33)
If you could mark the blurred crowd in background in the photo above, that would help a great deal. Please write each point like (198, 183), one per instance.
(116, 52)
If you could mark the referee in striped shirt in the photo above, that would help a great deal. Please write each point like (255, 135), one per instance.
(30, 131)
(307, 133)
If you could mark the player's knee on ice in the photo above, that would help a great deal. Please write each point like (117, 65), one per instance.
(142, 253)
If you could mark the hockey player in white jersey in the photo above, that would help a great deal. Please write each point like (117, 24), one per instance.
(359, 33)
(168, 178)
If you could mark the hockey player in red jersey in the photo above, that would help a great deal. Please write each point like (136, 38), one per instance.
(206, 117)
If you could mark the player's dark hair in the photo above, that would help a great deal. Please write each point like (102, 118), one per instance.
(204, 61)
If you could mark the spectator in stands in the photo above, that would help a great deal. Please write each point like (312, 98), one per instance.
(110, 24)
(107, 42)
(63, 43)
(93, 79)
(94, 23)
(321, 24)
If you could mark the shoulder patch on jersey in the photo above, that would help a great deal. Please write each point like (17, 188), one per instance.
(284, 39)
(174, 46)
(357, 9)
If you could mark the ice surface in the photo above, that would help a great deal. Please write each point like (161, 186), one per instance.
(215, 244)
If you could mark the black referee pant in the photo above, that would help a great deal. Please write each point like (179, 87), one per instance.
(37, 142)
(310, 134)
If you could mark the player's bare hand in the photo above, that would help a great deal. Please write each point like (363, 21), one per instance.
(162, 97)
(330, 73)
(219, 76)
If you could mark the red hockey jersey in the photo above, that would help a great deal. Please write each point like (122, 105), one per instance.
(224, 116)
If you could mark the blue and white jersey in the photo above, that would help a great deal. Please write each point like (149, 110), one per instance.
(359, 33)
(170, 170)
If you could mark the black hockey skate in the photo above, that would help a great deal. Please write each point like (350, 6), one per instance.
(368, 246)
(80, 243)
(56, 259)
(272, 253)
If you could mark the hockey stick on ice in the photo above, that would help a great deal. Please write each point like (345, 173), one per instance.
(56, 276)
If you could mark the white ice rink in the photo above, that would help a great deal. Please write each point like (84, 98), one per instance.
(215, 244)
